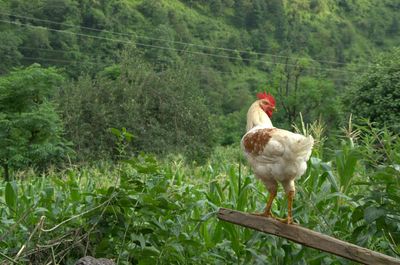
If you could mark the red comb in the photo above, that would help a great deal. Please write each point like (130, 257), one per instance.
(266, 96)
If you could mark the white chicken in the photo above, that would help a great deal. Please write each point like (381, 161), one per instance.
(275, 155)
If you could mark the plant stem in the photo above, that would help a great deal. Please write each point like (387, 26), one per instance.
(6, 172)
(9, 258)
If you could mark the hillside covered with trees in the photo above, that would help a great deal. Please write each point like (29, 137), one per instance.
(306, 53)
(133, 111)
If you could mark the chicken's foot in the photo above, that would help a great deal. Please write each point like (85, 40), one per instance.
(267, 212)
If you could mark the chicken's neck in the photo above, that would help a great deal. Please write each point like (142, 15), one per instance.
(256, 116)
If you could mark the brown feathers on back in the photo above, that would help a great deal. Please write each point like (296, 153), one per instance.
(255, 142)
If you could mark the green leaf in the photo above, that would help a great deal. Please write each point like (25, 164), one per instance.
(75, 196)
(357, 232)
(372, 213)
(139, 238)
(331, 177)
(41, 210)
(148, 261)
(116, 132)
(357, 214)
(150, 251)
(11, 196)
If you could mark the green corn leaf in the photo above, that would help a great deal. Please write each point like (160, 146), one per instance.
(11, 195)
(331, 176)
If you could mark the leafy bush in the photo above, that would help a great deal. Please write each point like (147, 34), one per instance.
(31, 132)
(376, 94)
(161, 109)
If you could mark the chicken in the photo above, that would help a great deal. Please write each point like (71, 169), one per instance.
(275, 155)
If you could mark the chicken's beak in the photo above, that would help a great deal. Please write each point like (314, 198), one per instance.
(274, 109)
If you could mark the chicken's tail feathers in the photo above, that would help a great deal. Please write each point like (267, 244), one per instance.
(303, 147)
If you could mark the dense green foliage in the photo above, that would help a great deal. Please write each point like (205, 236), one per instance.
(152, 96)
(30, 129)
(141, 211)
(305, 52)
(162, 110)
(376, 95)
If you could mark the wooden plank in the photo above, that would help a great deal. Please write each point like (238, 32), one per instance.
(307, 237)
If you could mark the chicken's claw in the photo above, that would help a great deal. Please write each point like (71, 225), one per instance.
(267, 215)
(264, 214)
(287, 220)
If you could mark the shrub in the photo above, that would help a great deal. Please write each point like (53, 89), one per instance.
(31, 132)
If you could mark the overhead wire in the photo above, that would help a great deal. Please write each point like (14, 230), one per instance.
(52, 60)
(174, 49)
(155, 46)
(97, 64)
(36, 58)
(60, 51)
(30, 58)
(192, 44)
(189, 44)
(39, 49)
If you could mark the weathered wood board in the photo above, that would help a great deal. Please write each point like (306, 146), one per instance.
(307, 237)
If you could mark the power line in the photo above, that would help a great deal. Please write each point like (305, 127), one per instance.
(62, 51)
(96, 63)
(190, 44)
(51, 60)
(39, 49)
(175, 49)
(72, 52)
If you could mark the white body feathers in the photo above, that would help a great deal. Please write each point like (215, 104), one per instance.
(275, 155)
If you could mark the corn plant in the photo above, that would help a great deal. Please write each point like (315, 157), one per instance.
(144, 211)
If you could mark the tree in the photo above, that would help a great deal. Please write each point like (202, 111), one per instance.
(394, 27)
(9, 53)
(376, 94)
(242, 8)
(257, 14)
(297, 93)
(30, 129)
(164, 110)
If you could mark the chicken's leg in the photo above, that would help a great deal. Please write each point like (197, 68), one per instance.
(267, 211)
(289, 219)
